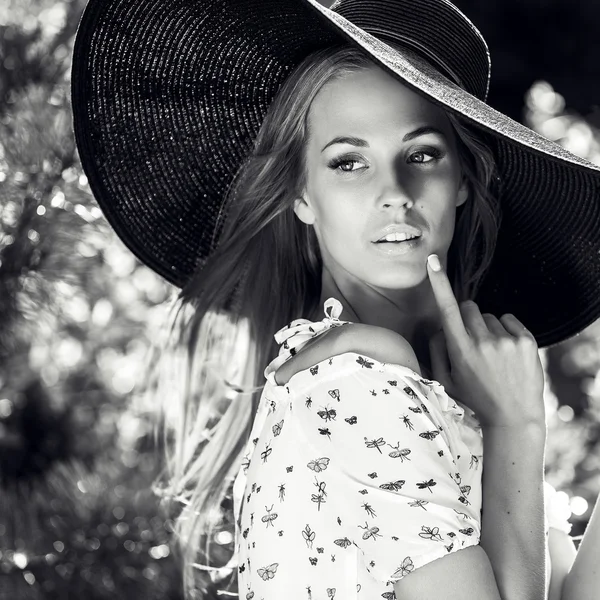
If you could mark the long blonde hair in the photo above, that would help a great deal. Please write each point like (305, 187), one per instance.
(265, 272)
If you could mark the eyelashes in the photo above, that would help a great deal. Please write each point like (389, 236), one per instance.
(337, 163)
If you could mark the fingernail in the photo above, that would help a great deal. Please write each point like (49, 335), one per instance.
(434, 262)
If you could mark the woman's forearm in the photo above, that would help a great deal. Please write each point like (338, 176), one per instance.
(512, 531)
(583, 580)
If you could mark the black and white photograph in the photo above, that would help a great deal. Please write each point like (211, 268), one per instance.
(299, 299)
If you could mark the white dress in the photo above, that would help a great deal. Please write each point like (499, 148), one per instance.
(356, 473)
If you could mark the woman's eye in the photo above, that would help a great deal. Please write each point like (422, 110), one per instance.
(422, 155)
(346, 165)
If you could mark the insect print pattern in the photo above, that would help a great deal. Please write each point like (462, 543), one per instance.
(343, 474)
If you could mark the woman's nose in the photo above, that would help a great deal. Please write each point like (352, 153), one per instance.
(394, 194)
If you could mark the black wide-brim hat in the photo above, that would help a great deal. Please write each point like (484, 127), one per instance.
(169, 95)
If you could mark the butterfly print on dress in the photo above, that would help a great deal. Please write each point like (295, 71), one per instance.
(268, 572)
(328, 414)
(405, 568)
(335, 394)
(410, 392)
(464, 490)
(351, 420)
(430, 435)
(318, 465)
(393, 485)
(277, 428)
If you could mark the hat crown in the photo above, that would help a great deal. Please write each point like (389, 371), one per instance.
(436, 29)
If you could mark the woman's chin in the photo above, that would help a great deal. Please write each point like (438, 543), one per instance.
(403, 279)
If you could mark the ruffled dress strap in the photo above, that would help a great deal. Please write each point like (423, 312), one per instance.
(292, 337)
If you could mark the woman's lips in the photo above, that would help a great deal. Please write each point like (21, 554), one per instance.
(398, 248)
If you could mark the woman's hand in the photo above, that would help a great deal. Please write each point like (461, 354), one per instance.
(490, 365)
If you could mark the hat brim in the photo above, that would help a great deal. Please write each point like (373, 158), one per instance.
(168, 96)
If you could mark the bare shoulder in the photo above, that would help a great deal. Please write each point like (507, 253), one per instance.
(379, 343)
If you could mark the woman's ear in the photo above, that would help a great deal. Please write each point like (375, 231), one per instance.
(463, 192)
(304, 211)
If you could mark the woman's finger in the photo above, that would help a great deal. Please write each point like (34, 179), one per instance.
(494, 325)
(450, 315)
(474, 322)
(515, 327)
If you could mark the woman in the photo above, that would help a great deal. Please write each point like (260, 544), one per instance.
(270, 160)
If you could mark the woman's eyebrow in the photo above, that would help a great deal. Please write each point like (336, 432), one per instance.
(354, 141)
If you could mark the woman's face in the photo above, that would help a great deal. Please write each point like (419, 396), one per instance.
(378, 154)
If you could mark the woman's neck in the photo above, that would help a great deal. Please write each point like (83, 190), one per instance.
(416, 325)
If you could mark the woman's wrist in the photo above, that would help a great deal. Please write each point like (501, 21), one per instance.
(513, 533)
(533, 431)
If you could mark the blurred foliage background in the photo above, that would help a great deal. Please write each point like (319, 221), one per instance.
(78, 313)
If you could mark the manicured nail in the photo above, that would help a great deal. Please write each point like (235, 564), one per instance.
(434, 262)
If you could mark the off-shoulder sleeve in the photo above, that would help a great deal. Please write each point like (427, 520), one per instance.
(393, 468)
